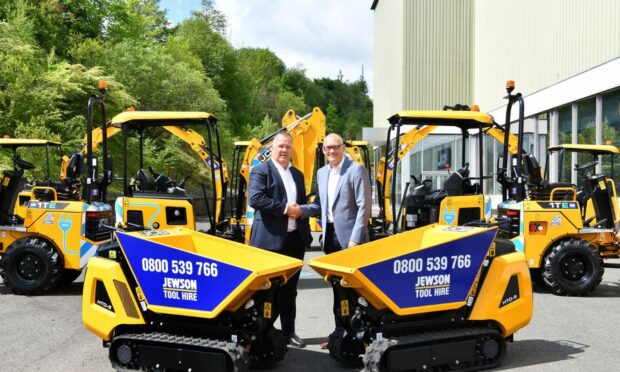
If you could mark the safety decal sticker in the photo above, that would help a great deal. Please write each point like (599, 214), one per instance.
(49, 219)
(436, 275)
(449, 216)
(175, 278)
(556, 220)
(64, 224)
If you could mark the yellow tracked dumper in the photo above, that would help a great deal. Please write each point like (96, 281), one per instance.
(183, 300)
(432, 298)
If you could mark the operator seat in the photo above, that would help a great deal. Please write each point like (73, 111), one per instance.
(68, 188)
(602, 200)
(540, 188)
(146, 179)
(13, 181)
(458, 183)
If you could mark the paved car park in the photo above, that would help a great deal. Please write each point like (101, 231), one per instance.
(566, 333)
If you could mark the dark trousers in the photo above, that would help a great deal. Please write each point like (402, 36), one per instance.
(293, 247)
(332, 245)
(330, 239)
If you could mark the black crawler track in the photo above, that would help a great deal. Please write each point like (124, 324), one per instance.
(467, 349)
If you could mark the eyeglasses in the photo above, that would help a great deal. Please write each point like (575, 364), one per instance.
(332, 148)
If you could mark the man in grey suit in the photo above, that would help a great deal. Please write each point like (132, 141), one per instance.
(343, 201)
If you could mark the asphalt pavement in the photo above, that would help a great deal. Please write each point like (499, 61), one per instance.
(566, 333)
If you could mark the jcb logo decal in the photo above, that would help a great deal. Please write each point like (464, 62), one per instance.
(267, 310)
(266, 155)
(344, 307)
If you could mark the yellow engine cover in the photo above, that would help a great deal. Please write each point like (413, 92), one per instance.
(506, 294)
(156, 213)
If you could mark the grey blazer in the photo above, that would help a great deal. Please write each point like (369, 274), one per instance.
(352, 206)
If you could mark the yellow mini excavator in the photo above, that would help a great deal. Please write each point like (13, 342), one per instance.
(417, 204)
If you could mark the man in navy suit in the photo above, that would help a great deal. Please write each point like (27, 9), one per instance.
(276, 191)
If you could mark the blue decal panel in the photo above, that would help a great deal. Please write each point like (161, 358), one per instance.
(436, 275)
(176, 278)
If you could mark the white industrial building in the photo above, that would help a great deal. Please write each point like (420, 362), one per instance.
(564, 56)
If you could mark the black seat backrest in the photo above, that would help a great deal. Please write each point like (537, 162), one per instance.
(147, 182)
(454, 185)
(74, 168)
(532, 171)
(602, 201)
(12, 182)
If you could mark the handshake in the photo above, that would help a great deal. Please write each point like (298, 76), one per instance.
(293, 210)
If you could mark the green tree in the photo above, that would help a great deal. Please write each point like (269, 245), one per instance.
(220, 63)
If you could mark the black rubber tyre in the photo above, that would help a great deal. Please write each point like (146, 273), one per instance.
(31, 266)
(573, 268)
(68, 276)
(537, 277)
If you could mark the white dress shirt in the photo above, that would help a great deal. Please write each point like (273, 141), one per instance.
(332, 182)
(291, 190)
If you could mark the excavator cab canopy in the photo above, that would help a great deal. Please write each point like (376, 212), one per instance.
(464, 120)
(141, 119)
(178, 123)
(14, 143)
(591, 149)
(594, 150)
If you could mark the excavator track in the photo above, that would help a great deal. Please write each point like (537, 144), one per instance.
(468, 349)
(158, 351)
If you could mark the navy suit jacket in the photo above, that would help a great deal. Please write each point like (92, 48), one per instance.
(267, 196)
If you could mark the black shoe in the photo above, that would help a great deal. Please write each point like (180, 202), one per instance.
(295, 341)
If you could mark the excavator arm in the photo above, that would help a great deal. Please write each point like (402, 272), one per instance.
(498, 133)
(307, 132)
(217, 164)
(384, 174)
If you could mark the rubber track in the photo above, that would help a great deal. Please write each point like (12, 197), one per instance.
(235, 352)
(378, 348)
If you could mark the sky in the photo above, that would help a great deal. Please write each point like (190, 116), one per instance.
(323, 37)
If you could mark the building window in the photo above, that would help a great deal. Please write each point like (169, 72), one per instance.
(586, 130)
(441, 155)
(490, 161)
(611, 131)
(543, 139)
(565, 130)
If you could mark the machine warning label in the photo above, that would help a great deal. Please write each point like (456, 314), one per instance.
(439, 274)
(176, 278)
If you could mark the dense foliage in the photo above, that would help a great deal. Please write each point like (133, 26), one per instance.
(53, 53)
